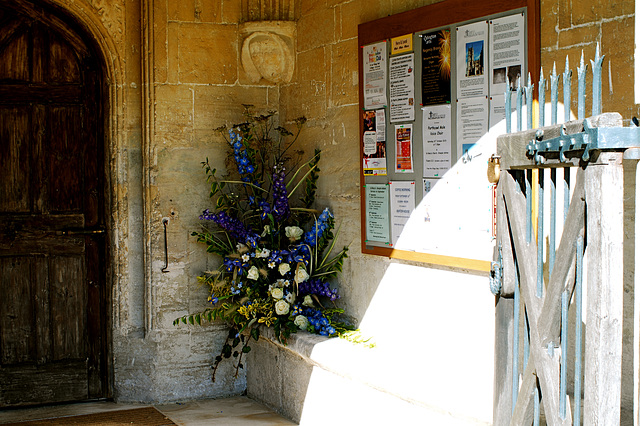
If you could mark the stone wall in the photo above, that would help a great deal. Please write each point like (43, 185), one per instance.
(569, 27)
(197, 84)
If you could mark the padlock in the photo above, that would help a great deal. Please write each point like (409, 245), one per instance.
(493, 169)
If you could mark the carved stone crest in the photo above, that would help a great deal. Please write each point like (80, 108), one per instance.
(268, 50)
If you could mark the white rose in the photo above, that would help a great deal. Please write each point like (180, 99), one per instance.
(301, 321)
(308, 301)
(289, 298)
(253, 273)
(293, 232)
(284, 268)
(282, 307)
(277, 293)
(301, 275)
(262, 253)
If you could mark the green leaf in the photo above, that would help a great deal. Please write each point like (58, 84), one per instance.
(255, 333)
(246, 349)
(197, 317)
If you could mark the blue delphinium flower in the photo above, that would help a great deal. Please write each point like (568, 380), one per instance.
(317, 287)
(315, 317)
(233, 226)
(240, 155)
(280, 199)
(313, 236)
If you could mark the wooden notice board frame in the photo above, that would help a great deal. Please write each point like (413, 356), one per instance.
(442, 14)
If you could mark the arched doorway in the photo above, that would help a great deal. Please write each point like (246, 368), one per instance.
(53, 242)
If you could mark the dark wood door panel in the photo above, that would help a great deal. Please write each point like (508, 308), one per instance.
(17, 342)
(53, 338)
(33, 384)
(14, 157)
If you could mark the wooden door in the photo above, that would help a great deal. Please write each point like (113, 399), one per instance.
(52, 236)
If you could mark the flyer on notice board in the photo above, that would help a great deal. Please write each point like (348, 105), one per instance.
(473, 123)
(401, 88)
(436, 140)
(507, 52)
(374, 156)
(427, 185)
(377, 209)
(471, 60)
(374, 58)
(403, 202)
(404, 148)
(436, 67)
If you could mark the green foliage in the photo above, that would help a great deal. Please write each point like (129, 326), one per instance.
(310, 186)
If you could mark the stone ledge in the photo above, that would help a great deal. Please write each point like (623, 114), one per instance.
(312, 371)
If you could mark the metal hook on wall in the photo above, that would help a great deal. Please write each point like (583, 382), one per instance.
(165, 221)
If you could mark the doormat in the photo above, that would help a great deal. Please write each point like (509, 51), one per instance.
(147, 416)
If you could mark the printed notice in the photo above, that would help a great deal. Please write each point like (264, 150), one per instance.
(404, 148)
(402, 44)
(436, 67)
(381, 126)
(472, 124)
(403, 202)
(436, 140)
(507, 52)
(377, 200)
(401, 88)
(471, 60)
(374, 58)
(497, 109)
(374, 152)
(427, 185)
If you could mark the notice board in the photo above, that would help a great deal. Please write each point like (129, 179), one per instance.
(432, 85)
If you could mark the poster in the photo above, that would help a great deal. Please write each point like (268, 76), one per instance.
(404, 148)
(436, 140)
(403, 202)
(427, 185)
(374, 58)
(402, 44)
(401, 88)
(471, 60)
(436, 67)
(507, 51)
(496, 110)
(377, 206)
(472, 124)
(381, 126)
(374, 156)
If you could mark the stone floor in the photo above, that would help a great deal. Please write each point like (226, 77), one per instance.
(229, 411)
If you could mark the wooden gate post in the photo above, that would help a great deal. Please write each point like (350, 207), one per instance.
(603, 356)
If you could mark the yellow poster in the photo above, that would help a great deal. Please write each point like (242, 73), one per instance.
(402, 44)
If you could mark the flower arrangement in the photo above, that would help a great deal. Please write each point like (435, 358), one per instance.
(277, 251)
